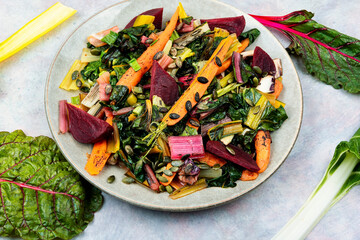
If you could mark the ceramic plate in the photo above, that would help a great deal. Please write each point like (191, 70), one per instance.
(120, 14)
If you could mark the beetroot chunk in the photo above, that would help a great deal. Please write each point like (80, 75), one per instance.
(232, 24)
(240, 157)
(263, 61)
(156, 12)
(163, 85)
(86, 128)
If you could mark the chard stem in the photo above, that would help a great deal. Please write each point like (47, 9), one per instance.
(319, 202)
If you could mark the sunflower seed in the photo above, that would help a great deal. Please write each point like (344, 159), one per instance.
(112, 160)
(95, 52)
(174, 116)
(108, 89)
(188, 106)
(256, 81)
(158, 55)
(160, 165)
(169, 189)
(128, 180)
(216, 166)
(173, 51)
(149, 40)
(256, 110)
(160, 170)
(178, 63)
(230, 150)
(177, 163)
(203, 166)
(161, 188)
(162, 179)
(168, 173)
(197, 97)
(111, 179)
(129, 150)
(75, 75)
(167, 159)
(194, 123)
(186, 156)
(163, 110)
(79, 83)
(174, 169)
(202, 79)
(141, 96)
(257, 69)
(218, 61)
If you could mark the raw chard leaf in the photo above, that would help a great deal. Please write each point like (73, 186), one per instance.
(331, 56)
(41, 195)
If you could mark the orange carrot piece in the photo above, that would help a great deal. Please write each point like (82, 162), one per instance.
(196, 87)
(95, 39)
(227, 63)
(211, 160)
(99, 155)
(278, 88)
(153, 36)
(169, 178)
(131, 78)
(192, 126)
(98, 158)
(262, 148)
(248, 175)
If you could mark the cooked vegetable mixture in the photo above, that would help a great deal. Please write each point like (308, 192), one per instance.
(182, 108)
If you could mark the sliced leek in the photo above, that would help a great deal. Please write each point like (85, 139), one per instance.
(34, 29)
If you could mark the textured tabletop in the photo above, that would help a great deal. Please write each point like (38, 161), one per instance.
(329, 117)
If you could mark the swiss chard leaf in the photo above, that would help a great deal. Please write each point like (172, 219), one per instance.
(42, 196)
(331, 56)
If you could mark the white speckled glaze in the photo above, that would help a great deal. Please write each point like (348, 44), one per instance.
(119, 14)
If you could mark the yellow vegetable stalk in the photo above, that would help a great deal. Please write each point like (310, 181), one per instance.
(182, 13)
(145, 19)
(255, 113)
(34, 29)
(68, 84)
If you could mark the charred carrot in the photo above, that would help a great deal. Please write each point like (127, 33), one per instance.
(212, 160)
(227, 63)
(152, 180)
(278, 88)
(262, 148)
(131, 77)
(198, 87)
(169, 178)
(99, 155)
(248, 175)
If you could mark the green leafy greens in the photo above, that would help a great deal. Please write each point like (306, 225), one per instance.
(42, 196)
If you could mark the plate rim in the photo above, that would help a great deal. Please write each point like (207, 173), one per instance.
(147, 205)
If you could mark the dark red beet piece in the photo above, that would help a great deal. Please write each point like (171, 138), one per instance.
(86, 128)
(236, 61)
(240, 158)
(156, 12)
(163, 85)
(263, 61)
(232, 24)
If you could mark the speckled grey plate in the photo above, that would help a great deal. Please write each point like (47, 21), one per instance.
(120, 14)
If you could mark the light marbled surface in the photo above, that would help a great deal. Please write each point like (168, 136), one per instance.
(329, 116)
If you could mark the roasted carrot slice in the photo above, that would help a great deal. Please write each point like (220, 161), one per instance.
(169, 178)
(152, 180)
(227, 63)
(248, 175)
(99, 156)
(262, 148)
(278, 88)
(198, 87)
(211, 160)
(131, 77)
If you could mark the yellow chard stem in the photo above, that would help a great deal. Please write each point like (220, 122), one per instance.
(34, 29)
